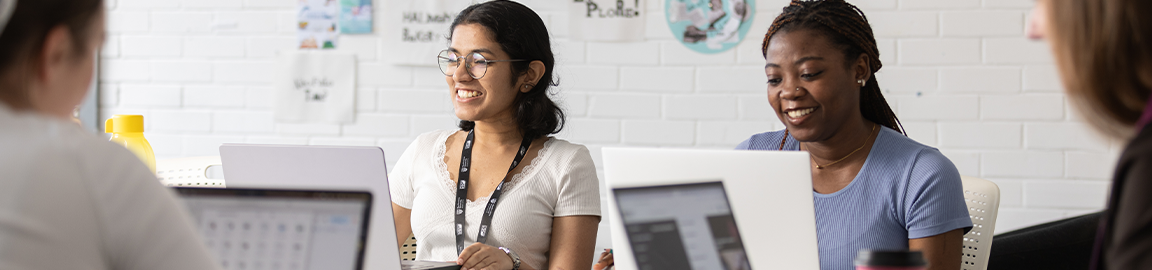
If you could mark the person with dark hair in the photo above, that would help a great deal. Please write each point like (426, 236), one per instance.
(874, 188)
(455, 191)
(69, 199)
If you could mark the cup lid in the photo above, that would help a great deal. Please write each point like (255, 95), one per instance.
(898, 258)
(124, 123)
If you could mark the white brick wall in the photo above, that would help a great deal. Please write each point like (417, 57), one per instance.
(983, 23)
(959, 73)
(904, 23)
(980, 80)
(939, 51)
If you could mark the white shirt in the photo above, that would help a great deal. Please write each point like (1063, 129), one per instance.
(70, 200)
(560, 181)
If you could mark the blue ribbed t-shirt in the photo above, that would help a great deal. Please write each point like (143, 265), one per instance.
(905, 190)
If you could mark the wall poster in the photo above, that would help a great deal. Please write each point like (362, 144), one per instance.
(316, 87)
(709, 26)
(316, 24)
(607, 20)
(356, 16)
(416, 30)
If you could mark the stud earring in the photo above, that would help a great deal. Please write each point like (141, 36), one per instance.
(861, 82)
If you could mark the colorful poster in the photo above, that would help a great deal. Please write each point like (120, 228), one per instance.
(709, 26)
(416, 30)
(607, 20)
(317, 24)
(356, 16)
(316, 87)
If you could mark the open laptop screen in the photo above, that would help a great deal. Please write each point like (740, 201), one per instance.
(281, 229)
(687, 226)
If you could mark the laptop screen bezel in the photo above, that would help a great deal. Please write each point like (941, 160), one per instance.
(364, 196)
(703, 183)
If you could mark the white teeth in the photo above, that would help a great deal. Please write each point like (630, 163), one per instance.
(800, 113)
(467, 94)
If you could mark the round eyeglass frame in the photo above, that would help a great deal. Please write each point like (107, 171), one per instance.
(444, 60)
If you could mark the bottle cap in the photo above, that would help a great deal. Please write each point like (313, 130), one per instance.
(124, 123)
(892, 258)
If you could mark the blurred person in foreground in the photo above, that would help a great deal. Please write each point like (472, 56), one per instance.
(1103, 51)
(69, 199)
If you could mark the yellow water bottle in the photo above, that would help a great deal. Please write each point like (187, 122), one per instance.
(128, 130)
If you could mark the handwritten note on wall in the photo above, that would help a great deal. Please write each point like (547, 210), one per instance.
(416, 30)
(316, 87)
(607, 20)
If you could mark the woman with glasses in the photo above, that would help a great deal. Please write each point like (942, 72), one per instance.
(498, 193)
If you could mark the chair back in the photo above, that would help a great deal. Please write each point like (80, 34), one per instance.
(408, 250)
(983, 199)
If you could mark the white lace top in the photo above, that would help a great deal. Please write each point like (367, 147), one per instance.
(560, 181)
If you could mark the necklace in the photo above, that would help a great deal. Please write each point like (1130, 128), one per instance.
(821, 167)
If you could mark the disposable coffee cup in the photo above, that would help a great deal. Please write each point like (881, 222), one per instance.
(867, 259)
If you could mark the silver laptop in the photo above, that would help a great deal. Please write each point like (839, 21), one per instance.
(281, 229)
(326, 167)
(768, 195)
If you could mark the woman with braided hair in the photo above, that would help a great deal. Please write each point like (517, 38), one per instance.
(874, 188)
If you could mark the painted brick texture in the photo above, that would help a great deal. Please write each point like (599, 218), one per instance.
(959, 73)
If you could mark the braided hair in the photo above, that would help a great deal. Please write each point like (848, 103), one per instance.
(847, 28)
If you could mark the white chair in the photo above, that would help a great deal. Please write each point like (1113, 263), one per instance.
(191, 172)
(983, 199)
(408, 250)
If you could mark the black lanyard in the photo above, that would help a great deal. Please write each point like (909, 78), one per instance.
(462, 191)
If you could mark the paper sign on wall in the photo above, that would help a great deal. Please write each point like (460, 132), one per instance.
(417, 30)
(316, 87)
(709, 26)
(607, 20)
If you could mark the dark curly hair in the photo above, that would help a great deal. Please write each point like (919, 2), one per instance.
(522, 34)
(846, 27)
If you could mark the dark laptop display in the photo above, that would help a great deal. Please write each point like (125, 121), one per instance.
(688, 227)
(281, 229)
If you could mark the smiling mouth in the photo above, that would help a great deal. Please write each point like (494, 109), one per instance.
(468, 93)
(800, 113)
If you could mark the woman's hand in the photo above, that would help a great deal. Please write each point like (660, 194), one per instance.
(485, 257)
(605, 261)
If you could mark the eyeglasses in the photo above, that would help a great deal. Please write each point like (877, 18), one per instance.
(449, 61)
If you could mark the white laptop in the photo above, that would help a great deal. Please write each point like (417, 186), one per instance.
(729, 209)
(325, 167)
